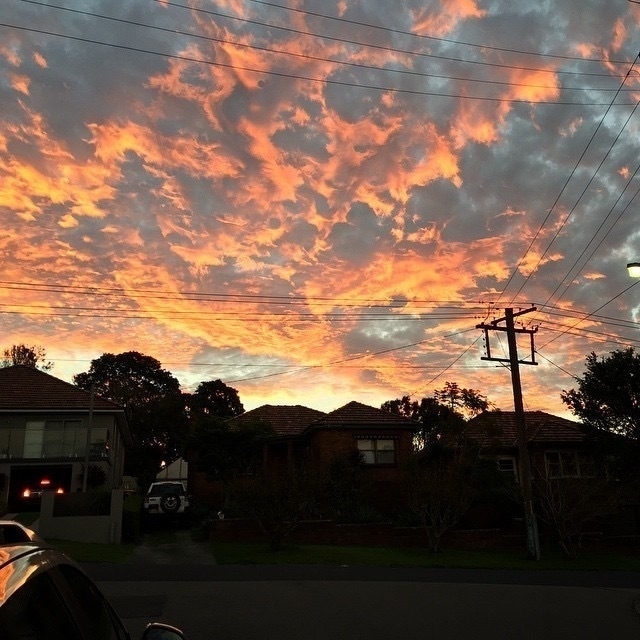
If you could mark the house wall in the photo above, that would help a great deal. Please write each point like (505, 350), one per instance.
(327, 444)
(385, 484)
(12, 451)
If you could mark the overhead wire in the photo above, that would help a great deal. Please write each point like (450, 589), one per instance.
(352, 84)
(305, 56)
(395, 49)
(334, 81)
(557, 200)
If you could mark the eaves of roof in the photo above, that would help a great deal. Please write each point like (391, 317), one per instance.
(28, 390)
(285, 420)
(356, 415)
(25, 389)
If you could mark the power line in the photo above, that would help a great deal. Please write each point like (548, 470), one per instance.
(408, 33)
(244, 45)
(557, 200)
(329, 81)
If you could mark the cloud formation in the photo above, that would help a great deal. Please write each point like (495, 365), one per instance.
(319, 206)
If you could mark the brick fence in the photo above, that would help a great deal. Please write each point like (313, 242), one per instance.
(369, 534)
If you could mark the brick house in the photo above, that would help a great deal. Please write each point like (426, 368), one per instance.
(558, 447)
(44, 424)
(384, 442)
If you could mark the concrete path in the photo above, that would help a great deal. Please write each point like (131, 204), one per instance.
(181, 550)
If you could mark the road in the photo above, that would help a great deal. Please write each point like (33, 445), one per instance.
(285, 603)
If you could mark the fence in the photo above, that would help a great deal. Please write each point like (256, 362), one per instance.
(85, 527)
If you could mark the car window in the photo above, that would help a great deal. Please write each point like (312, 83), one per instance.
(36, 612)
(160, 490)
(92, 613)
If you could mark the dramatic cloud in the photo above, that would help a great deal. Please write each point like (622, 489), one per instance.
(321, 206)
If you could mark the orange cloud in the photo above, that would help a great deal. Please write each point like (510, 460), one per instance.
(441, 20)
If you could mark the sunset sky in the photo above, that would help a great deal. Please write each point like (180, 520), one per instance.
(319, 201)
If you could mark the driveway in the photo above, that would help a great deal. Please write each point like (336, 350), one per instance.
(175, 547)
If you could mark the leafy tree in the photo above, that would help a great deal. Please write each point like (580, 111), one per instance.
(608, 395)
(433, 419)
(467, 402)
(33, 356)
(215, 398)
(153, 402)
(161, 431)
(130, 379)
(225, 453)
(444, 413)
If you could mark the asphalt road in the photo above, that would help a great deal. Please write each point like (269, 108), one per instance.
(212, 602)
(180, 583)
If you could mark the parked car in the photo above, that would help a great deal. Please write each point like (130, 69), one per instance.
(167, 498)
(34, 493)
(44, 595)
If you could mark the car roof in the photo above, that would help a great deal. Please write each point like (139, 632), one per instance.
(20, 561)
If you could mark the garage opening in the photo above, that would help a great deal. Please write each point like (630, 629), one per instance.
(26, 484)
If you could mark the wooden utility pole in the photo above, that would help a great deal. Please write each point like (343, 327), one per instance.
(87, 449)
(533, 543)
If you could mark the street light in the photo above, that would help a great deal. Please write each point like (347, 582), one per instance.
(634, 269)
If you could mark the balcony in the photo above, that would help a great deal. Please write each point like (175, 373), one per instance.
(52, 444)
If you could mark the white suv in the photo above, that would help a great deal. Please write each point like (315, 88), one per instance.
(168, 498)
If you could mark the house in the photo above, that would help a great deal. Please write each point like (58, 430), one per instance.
(176, 470)
(51, 431)
(303, 436)
(558, 447)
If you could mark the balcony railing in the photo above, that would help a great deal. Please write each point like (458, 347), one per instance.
(38, 444)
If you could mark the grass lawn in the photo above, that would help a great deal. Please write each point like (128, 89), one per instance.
(93, 551)
(233, 553)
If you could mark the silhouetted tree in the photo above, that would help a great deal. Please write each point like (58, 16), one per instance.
(442, 414)
(153, 402)
(608, 394)
(215, 398)
(33, 356)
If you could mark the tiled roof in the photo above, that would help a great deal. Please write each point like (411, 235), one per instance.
(285, 420)
(498, 429)
(24, 388)
(355, 414)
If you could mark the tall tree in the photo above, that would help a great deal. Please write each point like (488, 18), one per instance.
(130, 379)
(215, 398)
(153, 402)
(608, 394)
(33, 356)
(468, 402)
(225, 453)
(444, 413)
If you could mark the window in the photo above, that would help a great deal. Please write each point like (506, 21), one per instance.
(377, 450)
(36, 611)
(507, 465)
(567, 464)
